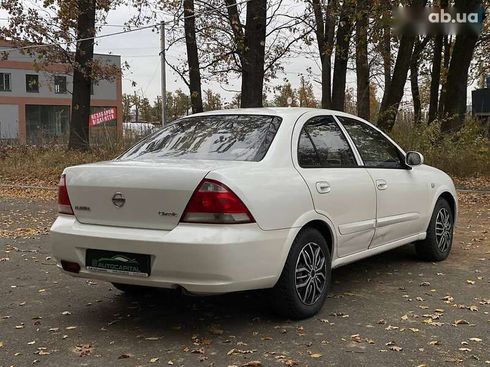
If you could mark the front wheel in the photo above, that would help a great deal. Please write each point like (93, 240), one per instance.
(439, 240)
(302, 288)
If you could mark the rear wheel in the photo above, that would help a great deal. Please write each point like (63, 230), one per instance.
(438, 243)
(302, 288)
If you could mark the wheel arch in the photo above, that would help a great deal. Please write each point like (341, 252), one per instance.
(451, 201)
(325, 230)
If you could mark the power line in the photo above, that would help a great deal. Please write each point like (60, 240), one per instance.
(175, 21)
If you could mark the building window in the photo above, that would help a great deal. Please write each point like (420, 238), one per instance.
(46, 123)
(32, 83)
(60, 84)
(5, 82)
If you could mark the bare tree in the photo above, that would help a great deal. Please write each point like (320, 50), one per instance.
(325, 30)
(344, 32)
(362, 62)
(457, 78)
(192, 56)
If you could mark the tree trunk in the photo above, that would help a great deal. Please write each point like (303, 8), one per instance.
(435, 78)
(325, 30)
(82, 78)
(342, 55)
(253, 54)
(386, 51)
(192, 57)
(414, 77)
(457, 82)
(457, 77)
(362, 62)
(447, 58)
(414, 84)
(436, 72)
(394, 94)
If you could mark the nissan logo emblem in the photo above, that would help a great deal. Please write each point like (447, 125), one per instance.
(118, 200)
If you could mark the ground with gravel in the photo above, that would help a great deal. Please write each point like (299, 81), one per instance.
(388, 310)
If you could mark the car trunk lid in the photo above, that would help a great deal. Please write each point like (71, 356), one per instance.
(150, 195)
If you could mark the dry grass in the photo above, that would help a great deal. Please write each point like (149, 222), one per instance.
(465, 154)
(32, 165)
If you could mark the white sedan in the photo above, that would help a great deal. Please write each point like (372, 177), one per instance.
(251, 199)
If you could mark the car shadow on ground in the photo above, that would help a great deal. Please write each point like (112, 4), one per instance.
(166, 311)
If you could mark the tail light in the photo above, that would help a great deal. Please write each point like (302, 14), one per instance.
(213, 202)
(64, 205)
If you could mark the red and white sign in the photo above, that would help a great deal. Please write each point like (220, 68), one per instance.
(102, 116)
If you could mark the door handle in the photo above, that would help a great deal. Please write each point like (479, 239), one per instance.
(381, 184)
(323, 187)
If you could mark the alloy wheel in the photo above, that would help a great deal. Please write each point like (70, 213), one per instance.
(443, 229)
(311, 273)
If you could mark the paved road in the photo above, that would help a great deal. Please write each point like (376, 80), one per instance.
(384, 311)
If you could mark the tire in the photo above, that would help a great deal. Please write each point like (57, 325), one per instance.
(309, 298)
(131, 288)
(437, 245)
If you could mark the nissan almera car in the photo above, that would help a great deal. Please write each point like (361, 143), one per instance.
(248, 199)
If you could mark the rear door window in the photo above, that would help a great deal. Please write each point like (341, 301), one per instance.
(215, 137)
(322, 144)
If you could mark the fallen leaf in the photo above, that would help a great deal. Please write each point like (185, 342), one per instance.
(154, 360)
(315, 355)
(252, 364)
(395, 348)
(476, 340)
(461, 322)
(83, 350)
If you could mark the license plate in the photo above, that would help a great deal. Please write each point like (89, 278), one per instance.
(118, 263)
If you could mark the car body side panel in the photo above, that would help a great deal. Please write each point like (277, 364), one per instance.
(263, 192)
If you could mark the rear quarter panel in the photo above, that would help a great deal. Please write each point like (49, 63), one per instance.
(276, 197)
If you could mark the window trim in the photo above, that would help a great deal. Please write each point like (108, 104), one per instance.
(37, 84)
(10, 82)
(401, 152)
(343, 132)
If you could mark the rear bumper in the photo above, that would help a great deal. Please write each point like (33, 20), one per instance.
(200, 258)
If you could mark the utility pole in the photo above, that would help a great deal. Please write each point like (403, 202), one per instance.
(162, 61)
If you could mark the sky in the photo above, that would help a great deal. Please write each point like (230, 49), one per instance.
(140, 50)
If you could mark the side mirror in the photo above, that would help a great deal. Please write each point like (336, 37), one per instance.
(413, 159)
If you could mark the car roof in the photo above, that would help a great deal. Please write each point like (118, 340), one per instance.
(289, 112)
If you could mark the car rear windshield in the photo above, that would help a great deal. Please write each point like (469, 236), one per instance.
(218, 137)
